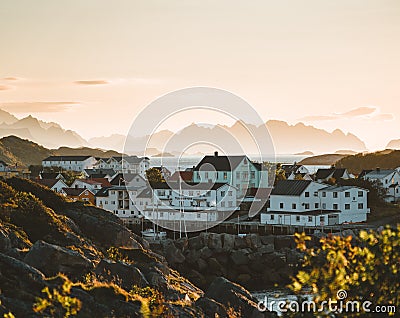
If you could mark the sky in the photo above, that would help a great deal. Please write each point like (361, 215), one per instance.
(93, 65)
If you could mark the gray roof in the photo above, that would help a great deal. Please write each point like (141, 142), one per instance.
(146, 193)
(91, 172)
(188, 185)
(341, 188)
(66, 158)
(290, 187)
(221, 163)
(379, 174)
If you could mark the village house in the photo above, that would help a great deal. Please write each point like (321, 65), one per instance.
(388, 179)
(239, 171)
(70, 163)
(308, 203)
(99, 173)
(125, 164)
(54, 184)
(164, 171)
(94, 185)
(9, 171)
(293, 171)
(129, 179)
(332, 174)
(3, 166)
(51, 175)
(78, 194)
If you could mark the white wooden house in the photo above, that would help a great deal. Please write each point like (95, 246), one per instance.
(388, 179)
(72, 163)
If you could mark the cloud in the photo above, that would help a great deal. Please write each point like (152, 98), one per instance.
(360, 112)
(383, 117)
(4, 87)
(10, 78)
(92, 82)
(37, 107)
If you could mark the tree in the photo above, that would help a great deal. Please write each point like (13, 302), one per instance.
(154, 175)
(366, 268)
(280, 174)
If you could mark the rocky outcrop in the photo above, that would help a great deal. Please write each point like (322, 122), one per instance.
(52, 259)
(254, 261)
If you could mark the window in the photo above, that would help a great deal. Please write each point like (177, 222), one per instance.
(310, 219)
(307, 194)
(324, 205)
(321, 219)
(347, 194)
(324, 194)
(316, 205)
(230, 193)
(225, 175)
(360, 194)
(206, 175)
(281, 205)
(161, 214)
(293, 206)
(297, 218)
(335, 206)
(335, 195)
(253, 174)
(237, 175)
(222, 204)
(361, 206)
(222, 193)
(272, 217)
(198, 215)
(347, 206)
(307, 206)
(315, 193)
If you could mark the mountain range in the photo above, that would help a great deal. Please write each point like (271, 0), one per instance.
(287, 139)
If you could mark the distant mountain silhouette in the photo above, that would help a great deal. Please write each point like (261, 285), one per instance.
(235, 139)
(287, 139)
(393, 144)
(50, 135)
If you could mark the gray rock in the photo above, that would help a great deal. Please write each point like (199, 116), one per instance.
(240, 257)
(127, 274)
(228, 242)
(206, 252)
(266, 249)
(52, 259)
(266, 240)
(214, 241)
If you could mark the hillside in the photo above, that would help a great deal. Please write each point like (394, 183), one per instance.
(24, 152)
(323, 160)
(59, 259)
(386, 159)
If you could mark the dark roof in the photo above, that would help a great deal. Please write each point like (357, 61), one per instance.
(290, 187)
(311, 212)
(339, 172)
(187, 185)
(122, 178)
(3, 163)
(74, 191)
(324, 173)
(66, 158)
(146, 193)
(50, 175)
(47, 182)
(103, 192)
(290, 168)
(363, 173)
(220, 163)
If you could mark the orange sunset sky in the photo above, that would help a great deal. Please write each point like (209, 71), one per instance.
(92, 65)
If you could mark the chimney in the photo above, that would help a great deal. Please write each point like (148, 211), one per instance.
(215, 153)
(378, 169)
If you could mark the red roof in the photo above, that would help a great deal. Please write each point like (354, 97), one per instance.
(104, 182)
(185, 175)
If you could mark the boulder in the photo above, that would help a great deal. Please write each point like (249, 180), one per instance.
(202, 265)
(172, 254)
(127, 274)
(214, 241)
(195, 243)
(215, 267)
(252, 241)
(228, 242)
(240, 242)
(236, 297)
(52, 259)
(211, 308)
(206, 252)
(284, 241)
(266, 240)
(266, 249)
(240, 257)
(5, 242)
